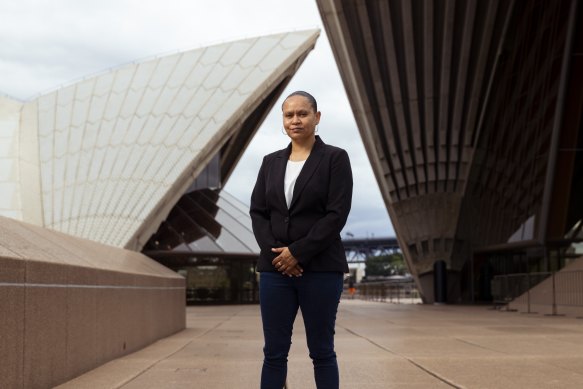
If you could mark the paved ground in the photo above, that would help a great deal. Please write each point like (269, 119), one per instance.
(379, 345)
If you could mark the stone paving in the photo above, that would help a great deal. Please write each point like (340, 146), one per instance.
(379, 345)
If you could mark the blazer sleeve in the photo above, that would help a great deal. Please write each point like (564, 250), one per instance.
(327, 229)
(260, 213)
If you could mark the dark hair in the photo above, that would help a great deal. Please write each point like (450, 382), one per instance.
(308, 96)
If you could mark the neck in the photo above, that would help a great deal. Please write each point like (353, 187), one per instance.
(304, 144)
(301, 150)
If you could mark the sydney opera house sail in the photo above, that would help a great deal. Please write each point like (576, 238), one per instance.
(469, 112)
(107, 157)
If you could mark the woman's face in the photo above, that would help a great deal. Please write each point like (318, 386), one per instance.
(299, 118)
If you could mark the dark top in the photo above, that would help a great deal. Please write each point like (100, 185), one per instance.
(321, 201)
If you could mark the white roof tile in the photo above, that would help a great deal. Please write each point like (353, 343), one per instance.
(84, 90)
(103, 84)
(123, 79)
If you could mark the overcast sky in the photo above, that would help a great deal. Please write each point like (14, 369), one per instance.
(44, 44)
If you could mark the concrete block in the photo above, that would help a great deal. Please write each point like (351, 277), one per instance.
(110, 304)
(68, 305)
(81, 321)
(12, 321)
(7, 253)
(20, 241)
(45, 348)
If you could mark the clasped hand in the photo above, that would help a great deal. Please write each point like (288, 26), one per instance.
(286, 263)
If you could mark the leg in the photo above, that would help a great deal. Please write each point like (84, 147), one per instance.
(319, 295)
(279, 306)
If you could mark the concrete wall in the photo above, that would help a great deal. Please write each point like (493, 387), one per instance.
(68, 305)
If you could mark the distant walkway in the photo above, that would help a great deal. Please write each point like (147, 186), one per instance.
(379, 345)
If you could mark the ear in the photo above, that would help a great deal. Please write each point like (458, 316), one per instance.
(318, 115)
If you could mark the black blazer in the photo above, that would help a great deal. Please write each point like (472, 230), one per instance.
(321, 201)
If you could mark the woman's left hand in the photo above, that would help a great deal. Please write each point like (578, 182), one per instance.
(285, 262)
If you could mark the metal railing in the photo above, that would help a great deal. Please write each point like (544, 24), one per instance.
(508, 287)
(560, 290)
(395, 292)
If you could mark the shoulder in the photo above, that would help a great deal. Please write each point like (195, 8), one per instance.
(329, 149)
(276, 154)
(336, 158)
(334, 152)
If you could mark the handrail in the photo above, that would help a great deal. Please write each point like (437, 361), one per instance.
(393, 291)
(563, 290)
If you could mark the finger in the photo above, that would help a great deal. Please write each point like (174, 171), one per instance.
(276, 260)
(294, 272)
(277, 249)
(281, 265)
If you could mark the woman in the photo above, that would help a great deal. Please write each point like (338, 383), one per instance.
(299, 205)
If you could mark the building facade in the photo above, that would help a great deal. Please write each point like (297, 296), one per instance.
(471, 115)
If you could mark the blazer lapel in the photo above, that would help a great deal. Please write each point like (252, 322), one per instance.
(308, 170)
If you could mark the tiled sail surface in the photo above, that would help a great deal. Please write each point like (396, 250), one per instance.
(10, 204)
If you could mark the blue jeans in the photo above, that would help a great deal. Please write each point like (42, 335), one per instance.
(280, 296)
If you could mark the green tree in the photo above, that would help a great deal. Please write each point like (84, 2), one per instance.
(385, 265)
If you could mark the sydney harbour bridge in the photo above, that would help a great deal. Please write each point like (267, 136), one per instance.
(358, 249)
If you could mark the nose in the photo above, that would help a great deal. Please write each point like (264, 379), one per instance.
(296, 119)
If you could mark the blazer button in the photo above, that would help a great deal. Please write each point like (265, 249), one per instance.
(286, 220)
